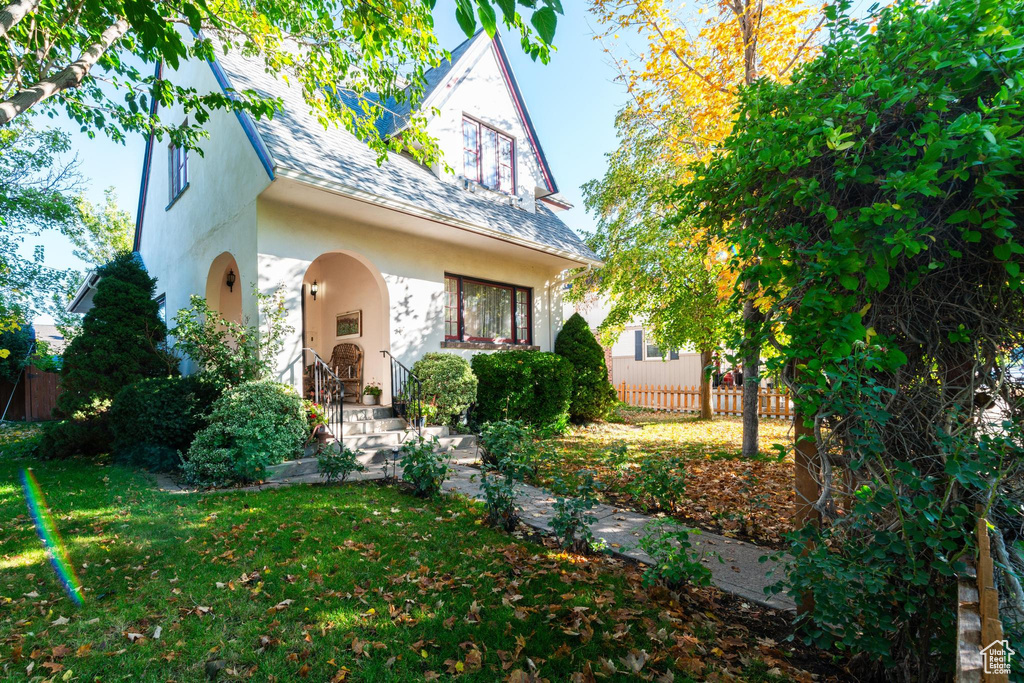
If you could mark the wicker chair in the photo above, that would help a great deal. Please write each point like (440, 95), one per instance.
(347, 363)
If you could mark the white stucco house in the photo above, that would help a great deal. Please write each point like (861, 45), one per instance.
(400, 257)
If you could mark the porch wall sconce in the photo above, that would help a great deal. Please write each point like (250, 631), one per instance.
(313, 289)
(231, 280)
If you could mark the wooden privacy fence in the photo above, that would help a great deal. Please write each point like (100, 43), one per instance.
(981, 650)
(34, 395)
(724, 400)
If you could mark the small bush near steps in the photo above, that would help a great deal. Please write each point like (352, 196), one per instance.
(338, 465)
(251, 426)
(448, 384)
(423, 466)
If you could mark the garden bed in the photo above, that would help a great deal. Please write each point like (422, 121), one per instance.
(356, 582)
(724, 493)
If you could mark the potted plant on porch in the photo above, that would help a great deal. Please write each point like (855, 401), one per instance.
(371, 394)
(316, 416)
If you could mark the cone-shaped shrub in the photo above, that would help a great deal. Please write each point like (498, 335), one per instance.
(592, 393)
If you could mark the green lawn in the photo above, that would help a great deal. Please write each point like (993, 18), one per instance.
(353, 582)
(747, 498)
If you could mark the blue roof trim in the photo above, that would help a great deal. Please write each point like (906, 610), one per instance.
(147, 158)
(247, 125)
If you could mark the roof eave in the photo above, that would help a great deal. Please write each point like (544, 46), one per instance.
(411, 209)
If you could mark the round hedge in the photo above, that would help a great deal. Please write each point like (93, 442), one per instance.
(448, 383)
(592, 394)
(251, 426)
(152, 420)
(531, 386)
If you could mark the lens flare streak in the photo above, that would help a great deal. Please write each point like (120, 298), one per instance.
(47, 531)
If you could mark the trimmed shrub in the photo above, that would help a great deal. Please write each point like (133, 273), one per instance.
(122, 339)
(448, 383)
(85, 433)
(251, 426)
(592, 394)
(153, 419)
(531, 386)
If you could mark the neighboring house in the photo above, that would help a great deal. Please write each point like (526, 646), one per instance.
(635, 359)
(400, 257)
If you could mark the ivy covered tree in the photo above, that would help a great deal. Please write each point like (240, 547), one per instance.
(875, 206)
(96, 60)
(122, 339)
(592, 394)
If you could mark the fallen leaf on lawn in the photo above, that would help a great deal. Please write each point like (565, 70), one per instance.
(133, 637)
(280, 606)
(59, 621)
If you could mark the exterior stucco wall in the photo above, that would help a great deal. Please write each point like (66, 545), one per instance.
(215, 214)
(412, 269)
(482, 93)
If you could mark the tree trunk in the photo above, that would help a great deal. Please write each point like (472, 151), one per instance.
(806, 467)
(751, 380)
(14, 12)
(70, 76)
(705, 385)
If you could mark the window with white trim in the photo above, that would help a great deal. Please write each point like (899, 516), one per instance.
(488, 156)
(178, 170)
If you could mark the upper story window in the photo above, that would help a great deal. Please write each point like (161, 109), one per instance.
(488, 157)
(178, 170)
(482, 311)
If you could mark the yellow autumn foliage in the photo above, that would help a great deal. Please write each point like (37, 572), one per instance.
(683, 63)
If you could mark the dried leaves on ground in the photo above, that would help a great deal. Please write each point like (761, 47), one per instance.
(749, 499)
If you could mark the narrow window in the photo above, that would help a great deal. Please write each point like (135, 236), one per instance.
(506, 164)
(178, 163)
(471, 149)
(451, 307)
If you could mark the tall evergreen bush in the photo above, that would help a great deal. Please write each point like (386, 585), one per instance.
(592, 393)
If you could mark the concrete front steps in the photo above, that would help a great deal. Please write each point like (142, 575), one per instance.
(371, 429)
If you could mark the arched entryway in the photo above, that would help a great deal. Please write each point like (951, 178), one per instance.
(224, 288)
(345, 302)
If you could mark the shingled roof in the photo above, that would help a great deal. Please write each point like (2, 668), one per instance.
(296, 141)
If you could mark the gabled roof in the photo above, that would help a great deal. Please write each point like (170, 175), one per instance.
(295, 144)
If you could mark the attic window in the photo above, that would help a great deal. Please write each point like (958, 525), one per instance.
(488, 156)
(177, 162)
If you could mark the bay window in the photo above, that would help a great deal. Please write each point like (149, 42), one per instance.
(489, 312)
(488, 156)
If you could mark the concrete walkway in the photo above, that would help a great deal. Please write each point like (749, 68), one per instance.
(735, 565)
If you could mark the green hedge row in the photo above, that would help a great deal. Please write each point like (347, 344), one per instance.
(531, 386)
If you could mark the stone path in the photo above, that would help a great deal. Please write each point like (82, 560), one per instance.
(735, 565)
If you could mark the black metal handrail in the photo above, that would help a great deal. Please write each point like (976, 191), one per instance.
(406, 393)
(327, 390)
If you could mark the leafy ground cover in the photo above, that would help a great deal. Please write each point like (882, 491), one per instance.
(750, 499)
(352, 582)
